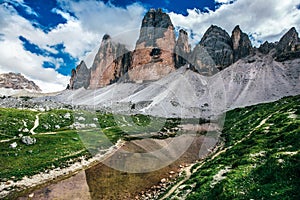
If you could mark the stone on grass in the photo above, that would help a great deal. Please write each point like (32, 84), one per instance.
(13, 145)
(28, 140)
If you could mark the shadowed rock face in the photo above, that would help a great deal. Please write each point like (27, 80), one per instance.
(182, 49)
(288, 41)
(110, 63)
(80, 77)
(241, 44)
(266, 47)
(153, 27)
(213, 52)
(152, 58)
(157, 54)
(288, 46)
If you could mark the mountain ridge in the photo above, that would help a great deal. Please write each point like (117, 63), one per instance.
(158, 53)
(17, 81)
(187, 94)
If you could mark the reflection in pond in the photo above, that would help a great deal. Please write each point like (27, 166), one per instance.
(151, 160)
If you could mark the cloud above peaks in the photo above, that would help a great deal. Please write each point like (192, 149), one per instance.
(100, 18)
(41, 54)
(262, 20)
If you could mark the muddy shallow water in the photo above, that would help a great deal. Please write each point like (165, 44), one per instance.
(134, 168)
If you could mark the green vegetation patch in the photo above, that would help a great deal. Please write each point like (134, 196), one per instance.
(49, 152)
(14, 122)
(262, 165)
(55, 120)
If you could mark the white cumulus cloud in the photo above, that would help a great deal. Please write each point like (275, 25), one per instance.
(80, 35)
(264, 20)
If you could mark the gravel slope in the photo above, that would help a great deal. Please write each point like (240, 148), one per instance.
(185, 93)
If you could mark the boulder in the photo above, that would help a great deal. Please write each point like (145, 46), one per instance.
(28, 140)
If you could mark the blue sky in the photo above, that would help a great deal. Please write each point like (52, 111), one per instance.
(45, 39)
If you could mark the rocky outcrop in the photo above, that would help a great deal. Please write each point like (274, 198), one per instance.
(288, 46)
(288, 42)
(17, 81)
(182, 49)
(241, 44)
(214, 52)
(111, 62)
(266, 47)
(80, 77)
(152, 58)
(157, 53)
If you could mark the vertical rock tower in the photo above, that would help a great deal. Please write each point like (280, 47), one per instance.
(241, 44)
(80, 76)
(153, 57)
(182, 49)
(110, 63)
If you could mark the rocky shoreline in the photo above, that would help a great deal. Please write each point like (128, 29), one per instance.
(57, 174)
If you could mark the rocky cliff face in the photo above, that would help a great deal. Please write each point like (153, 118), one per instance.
(214, 52)
(157, 53)
(241, 44)
(80, 76)
(111, 62)
(288, 46)
(182, 49)
(17, 81)
(152, 58)
(266, 47)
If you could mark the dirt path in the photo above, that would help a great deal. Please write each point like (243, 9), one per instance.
(188, 169)
(36, 124)
(7, 140)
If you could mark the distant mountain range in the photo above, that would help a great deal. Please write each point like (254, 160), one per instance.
(10, 83)
(163, 76)
(158, 53)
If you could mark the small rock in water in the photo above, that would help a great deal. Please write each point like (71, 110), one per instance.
(13, 145)
(31, 195)
(28, 140)
(163, 180)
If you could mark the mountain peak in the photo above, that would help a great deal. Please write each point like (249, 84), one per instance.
(153, 55)
(17, 81)
(182, 49)
(288, 46)
(241, 44)
(218, 46)
(80, 76)
(106, 37)
(154, 26)
(157, 19)
(157, 52)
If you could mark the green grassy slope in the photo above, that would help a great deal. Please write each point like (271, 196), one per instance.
(58, 141)
(261, 158)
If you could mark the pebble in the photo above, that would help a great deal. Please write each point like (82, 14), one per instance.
(163, 180)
